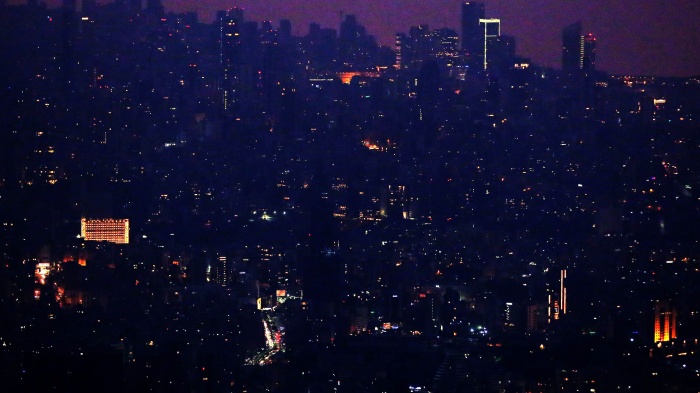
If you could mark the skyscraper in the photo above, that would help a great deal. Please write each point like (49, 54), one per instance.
(285, 32)
(578, 52)
(491, 34)
(588, 63)
(572, 48)
(400, 49)
(229, 53)
(472, 31)
(664, 322)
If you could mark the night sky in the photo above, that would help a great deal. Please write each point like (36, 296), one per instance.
(638, 37)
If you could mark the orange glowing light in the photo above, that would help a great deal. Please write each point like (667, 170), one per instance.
(109, 230)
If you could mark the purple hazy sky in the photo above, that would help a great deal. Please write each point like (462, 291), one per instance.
(639, 37)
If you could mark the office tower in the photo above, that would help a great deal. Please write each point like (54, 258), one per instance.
(417, 47)
(573, 48)
(664, 322)
(323, 47)
(105, 230)
(588, 61)
(421, 45)
(356, 48)
(350, 32)
(446, 42)
(472, 39)
(230, 46)
(491, 34)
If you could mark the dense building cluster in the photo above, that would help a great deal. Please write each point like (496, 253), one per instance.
(229, 207)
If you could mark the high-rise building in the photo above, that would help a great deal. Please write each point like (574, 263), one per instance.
(447, 42)
(350, 32)
(491, 34)
(421, 45)
(105, 230)
(400, 49)
(578, 50)
(472, 31)
(588, 63)
(664, 322)
(285, 32)
(356, 49)
(230, 47)
(562, 291)
(572, 48)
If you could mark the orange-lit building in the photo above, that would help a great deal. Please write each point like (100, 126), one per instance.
(664, 322)
(105, 230)
(346, 77)
(42, 271)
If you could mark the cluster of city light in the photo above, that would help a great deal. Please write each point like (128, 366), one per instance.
(105, 230)
(42, 271)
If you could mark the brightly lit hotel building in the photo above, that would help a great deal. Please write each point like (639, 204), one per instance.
(105, 230)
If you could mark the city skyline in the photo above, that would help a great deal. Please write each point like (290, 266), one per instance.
(652, 38)
(237, 206)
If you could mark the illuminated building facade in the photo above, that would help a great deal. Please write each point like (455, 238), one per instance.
(664, 322)
(222, 270)
(422, 45)
(562, 291)
(105, 230)
(401, 41)
(491, 35)
(579, 51)
(557, 301)
(43, 270)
